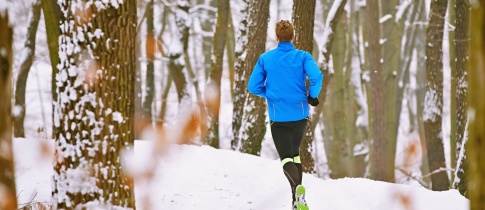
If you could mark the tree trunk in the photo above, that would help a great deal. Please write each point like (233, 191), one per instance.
(27, 62)
(392, 33)
(476, 110)
(176, 64)
(332, 21)
(231, 52)
(421, 87)
(94, 113)
(150, 51)
(168, 79)
(7, 172)
(433, 109)
(215, 75)
(341, 152)
(353, 96)
(249, 112)
(52, 15)
(452, 52)
(411, 34)
(360, 123)
(207, 26)
(303, 20)
(381, 168)
(461, 45)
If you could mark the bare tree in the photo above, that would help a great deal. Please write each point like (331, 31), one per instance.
(21, 83)
(462, 11)
(215, 74)
(95, 108)
(7, 172)
(381, 168)
(476, 110)
(150, 51)
(331, 23)
(303, 19)
(248, 122)
(434, 95)
(52, 16)
(176, 64)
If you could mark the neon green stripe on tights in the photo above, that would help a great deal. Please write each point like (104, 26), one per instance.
(286, 160)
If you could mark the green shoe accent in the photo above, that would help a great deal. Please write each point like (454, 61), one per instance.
(300, 198)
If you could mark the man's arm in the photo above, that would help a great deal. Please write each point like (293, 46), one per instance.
(314, 74)
(256, 82)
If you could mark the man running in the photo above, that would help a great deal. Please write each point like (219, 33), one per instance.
(280, 77)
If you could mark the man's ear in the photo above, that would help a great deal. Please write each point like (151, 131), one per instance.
(277, 38)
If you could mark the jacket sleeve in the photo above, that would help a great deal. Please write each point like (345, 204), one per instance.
(256, 84)
(314, 74)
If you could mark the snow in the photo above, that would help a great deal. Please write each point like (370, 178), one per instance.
(385, 18)
(431, 108)
(328, 30)
(117, 117)
(402, 9)
(201, 177)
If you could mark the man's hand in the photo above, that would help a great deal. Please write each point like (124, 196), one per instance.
(313, 101)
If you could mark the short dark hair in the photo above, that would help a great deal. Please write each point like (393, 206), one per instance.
(284, 31)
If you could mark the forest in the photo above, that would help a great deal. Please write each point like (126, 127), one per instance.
(401, 100)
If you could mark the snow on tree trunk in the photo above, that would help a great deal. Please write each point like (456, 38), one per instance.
(176, 64)
(462, 11)
(94, 111)
(249, 112)
(433, 103)
(7, 172)
(476, 109)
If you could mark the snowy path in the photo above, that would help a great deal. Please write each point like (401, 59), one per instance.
(193, 177)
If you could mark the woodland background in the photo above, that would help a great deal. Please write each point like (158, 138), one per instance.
(400, 100)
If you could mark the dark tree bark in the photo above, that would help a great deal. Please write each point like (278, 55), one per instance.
(27, 62)
(215, 74)
(150, 51)
(176, 63)
(434, 95)
(249, 111)
(94, 113)
(303, 20)
(52, 16)
(476, 110)
(462, 11)
(381, 168)
(7, 172)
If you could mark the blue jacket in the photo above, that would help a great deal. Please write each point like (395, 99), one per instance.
(280, 77)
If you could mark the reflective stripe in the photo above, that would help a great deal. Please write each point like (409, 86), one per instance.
(297, 159)
(286, 160)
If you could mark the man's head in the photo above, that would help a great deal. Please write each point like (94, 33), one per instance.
(284, 31)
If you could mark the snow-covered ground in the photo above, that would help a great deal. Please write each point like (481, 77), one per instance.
(200, 177)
